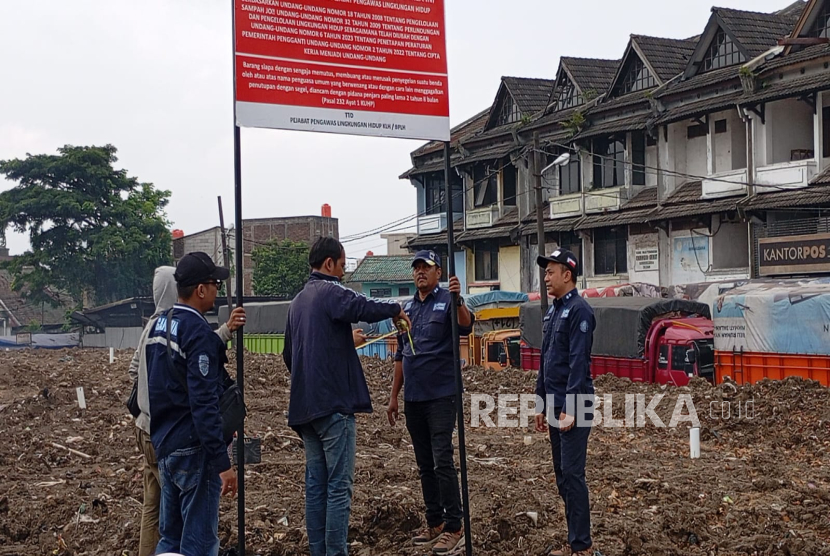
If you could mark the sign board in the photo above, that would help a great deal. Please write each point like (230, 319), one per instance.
(646, 258)
(359, 67)
(24, 338)
(690, 258)
(808, 254)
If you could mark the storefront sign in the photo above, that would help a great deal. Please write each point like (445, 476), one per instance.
(787, 255)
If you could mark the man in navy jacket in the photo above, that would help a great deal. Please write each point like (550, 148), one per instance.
(327, 389)
(186, 425)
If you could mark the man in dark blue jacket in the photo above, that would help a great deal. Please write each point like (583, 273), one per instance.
(186, 425)
(327, 389)
(565, 388)
(427, 374)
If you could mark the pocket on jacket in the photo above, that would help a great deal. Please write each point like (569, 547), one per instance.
(436, 324)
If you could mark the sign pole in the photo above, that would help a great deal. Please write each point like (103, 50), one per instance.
(240, 366)
(456, 353)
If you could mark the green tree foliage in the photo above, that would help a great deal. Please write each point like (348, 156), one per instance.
(280, 268)
(95, 233)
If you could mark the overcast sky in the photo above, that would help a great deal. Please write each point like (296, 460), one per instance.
(153, 78)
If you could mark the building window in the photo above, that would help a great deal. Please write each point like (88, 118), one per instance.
(380, 292)
(826, 127)
(609, 162)
(722, 53)
(638, 157)
(637, 78)
(509, 112)
(435, 198)
(510, 175)
(610, 251)
(697, 130)
(486, 180)
(573, 243)
(402, 292)
(569, 177)
(487, 262)
(567, 95)
(821, 27)
(720, 126)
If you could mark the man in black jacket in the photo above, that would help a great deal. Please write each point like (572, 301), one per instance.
(327, 389)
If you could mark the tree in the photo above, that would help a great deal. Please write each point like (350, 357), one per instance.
(280, 268)
(95, 233)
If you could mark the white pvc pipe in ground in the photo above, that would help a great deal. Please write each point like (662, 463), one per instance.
(694, 443)
(112, 355)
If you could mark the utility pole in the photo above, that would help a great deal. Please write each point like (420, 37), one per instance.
(540, 218)
(226, 253)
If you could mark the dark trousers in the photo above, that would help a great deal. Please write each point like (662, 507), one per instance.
(430, 425)
(569, 453)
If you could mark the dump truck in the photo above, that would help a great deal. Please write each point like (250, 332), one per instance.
(654, 340)
(773, 330)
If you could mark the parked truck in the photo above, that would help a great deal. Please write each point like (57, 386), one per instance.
(667, 341)
(773, 330)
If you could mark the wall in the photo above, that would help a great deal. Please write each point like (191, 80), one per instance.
(118, 338)
(730, 246)
(367, 287)
(729, 148)
(682, 155)
(396, 243)
(510, 279)
(690, 256)
(643, 244)
(824, 100)
(652, 164)
(789, 126)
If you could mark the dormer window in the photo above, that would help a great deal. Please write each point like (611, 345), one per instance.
(509, 112)
(821, 27)
(722, 53)
(637, 78)
(567, 94)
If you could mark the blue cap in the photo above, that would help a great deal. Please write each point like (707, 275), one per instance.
(429, 257)
(561, 256)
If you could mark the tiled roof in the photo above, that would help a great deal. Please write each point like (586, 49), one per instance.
(393, 268)
(687, 201)
(458, 133)
(631, 99)
(757, 32)
(614, 126)
(645, 198)
(823, 178)
(493, 152)
(23, 312)
(689, 192)
(776, 89)
(668, 57)
(615, 218)
(699, 108)
(812, 196)
(591, 73)
(531, 95)
(794, 10)
(804, 55)
(701, 81)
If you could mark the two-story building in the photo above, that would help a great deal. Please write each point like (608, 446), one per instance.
(688, 160)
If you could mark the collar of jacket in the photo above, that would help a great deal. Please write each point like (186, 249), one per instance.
(567, 297)
(320, 276)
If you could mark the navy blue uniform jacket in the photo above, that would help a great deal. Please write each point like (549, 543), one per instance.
(565, 365)
(326, 375)
(184, 418)
(430, 373)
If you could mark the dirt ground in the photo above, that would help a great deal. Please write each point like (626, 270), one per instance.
(760, 487)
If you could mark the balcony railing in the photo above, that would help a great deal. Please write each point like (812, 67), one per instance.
(432, 224)
(724, 184)
(566, 205)
(786, 175)
(482, 217)
(600, 200)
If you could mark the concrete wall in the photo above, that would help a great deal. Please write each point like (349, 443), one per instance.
(367, 287)
(118, 338)
(652, 163)
(690, 256)
(729, 148)
(510, 261)
(789, 126)
(396, 243)
(642, 245)
(730, 246)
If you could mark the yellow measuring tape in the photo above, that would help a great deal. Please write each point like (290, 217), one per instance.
(394, 332)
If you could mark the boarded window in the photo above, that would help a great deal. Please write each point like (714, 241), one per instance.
(610, 251)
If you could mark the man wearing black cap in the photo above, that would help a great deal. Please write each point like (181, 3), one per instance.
(186, 426)
(565, 389)
(426, 371)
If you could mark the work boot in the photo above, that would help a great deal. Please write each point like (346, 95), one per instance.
(427, 535)
(448, 542)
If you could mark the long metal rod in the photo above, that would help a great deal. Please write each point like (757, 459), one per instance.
(456, 353)
(540, 219)
(240, 364)
(226, 254)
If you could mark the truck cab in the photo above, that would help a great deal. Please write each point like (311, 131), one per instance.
(685, 348)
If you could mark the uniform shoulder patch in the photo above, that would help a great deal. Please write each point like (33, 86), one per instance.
(204, 364)
(583, 326)
(566, 312)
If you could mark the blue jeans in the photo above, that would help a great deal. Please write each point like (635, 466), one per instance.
(329, 476)
(189, 513)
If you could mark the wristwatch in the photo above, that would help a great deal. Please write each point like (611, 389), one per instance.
(460, 301)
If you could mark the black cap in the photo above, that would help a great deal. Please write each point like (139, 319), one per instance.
(561, 256)
(198, 268)
(428, 257)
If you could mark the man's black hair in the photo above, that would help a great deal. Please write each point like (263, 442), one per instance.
(185, 292)
(323, 249)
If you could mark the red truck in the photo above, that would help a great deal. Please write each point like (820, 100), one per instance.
(644, 339)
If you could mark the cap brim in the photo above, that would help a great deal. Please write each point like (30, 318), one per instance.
(221, 273)
(543, 261)
(427, 261)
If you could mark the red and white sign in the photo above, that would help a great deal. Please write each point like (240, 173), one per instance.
(361, 67)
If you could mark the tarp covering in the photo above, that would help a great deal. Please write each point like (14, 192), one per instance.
(494, 299)
(622, 322)
(262, 318)
(774, 318)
